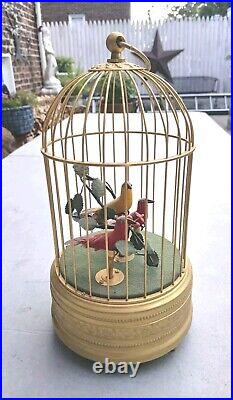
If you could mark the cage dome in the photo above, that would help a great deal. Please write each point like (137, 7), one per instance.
(118, 145)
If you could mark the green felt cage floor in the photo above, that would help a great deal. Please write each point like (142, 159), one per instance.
(135, 270)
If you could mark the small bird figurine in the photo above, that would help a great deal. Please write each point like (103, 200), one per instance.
(122, 202)
(141, 215)
(97, 241)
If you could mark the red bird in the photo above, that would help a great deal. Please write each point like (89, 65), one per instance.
(97, 240)
(140, 216)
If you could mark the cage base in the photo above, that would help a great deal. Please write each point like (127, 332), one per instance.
(122, 259)
(137, 330)
(102, 277)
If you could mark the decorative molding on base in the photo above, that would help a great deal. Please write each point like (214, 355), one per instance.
(136, 330)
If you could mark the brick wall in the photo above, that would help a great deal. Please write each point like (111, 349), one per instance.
(27, 72)
(55, 11)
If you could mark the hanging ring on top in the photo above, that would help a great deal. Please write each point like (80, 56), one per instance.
(116, 44)
(136, 52)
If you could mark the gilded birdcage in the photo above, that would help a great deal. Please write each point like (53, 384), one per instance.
(119, 183)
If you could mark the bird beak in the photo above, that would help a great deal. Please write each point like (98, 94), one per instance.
(150, 201)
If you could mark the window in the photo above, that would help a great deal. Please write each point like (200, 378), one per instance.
(7, 72)
(76, 18)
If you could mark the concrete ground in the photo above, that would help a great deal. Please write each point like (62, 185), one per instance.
(223, 121)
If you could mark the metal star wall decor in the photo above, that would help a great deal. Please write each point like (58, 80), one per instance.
(159, 57)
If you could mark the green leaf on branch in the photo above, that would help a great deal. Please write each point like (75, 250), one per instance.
(93, 194)
(121, 247)
(97, 187)
(152, 257)
(81, 170)
(77, 202)
(76, 217)
(137, 240)
(69, 208)
(88, 223)
(110, 214)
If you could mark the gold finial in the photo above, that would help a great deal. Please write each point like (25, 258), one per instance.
(113, 44)
(116, 43)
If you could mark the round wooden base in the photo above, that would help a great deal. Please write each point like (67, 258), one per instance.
(136, 330)
(122, 259)
(102, 277)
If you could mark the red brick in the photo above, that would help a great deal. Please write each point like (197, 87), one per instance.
(27, 76)
(56, 11)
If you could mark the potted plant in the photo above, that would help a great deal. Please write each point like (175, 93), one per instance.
(66, 78)
(17, 112)
(65, 65)
(130, 99)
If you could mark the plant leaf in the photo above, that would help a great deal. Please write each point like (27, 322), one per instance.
(137, 240)
(97, 187)
(120, 246)
(92, 223)
(81, 170)
(152, 258)
(110, 214)
(76, 217)
(78, 202)
(67, 207)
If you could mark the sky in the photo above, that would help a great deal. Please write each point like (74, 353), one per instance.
(158, 10)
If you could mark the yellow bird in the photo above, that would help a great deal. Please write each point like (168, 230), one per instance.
(122, 202)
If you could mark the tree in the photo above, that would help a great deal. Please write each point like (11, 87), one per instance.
(207, 9)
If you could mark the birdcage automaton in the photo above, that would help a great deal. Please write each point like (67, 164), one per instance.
(119, 183)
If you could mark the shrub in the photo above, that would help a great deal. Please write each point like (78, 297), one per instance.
(65, 64)
(21, 98)
(65, 79)
(130, 89)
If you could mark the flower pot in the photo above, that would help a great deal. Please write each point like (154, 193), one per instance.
(118, 107)
(18, 120)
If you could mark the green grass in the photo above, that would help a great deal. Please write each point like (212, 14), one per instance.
(135, 268)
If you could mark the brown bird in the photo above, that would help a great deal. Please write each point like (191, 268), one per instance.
(122, 202)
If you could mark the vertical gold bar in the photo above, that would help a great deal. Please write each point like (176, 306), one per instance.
(163, 224)
(99, 121)
(70, 224)
(60, 218)
(87, 235)
(84, 152)
(52, 211)
(126, 180)
(113, 130)
(184, 175)
(166, 136)
(186, 207)
(174, 234)
(104, 180)
(144, 126)
(142, 158)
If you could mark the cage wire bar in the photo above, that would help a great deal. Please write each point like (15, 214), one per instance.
(64, 145)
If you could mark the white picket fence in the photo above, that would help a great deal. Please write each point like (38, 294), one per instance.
(206, 44)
